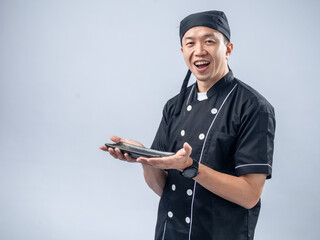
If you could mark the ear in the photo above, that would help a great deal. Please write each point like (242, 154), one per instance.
(229, 49)
(181, 49)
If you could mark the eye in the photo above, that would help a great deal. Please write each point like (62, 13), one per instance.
(189, 43)
(210, 41)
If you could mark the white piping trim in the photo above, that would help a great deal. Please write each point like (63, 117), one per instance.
(190, 94)
(214, 121)
(164, 230)
(253, 164)
(204, 143)
(191, 211)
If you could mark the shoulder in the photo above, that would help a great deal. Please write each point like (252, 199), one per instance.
(249, 97)
(171, 104)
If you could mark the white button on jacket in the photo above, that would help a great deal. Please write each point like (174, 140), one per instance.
(189, 192)
(214, 110)
(201, 136)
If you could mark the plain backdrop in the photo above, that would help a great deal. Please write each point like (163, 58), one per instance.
(72, 73)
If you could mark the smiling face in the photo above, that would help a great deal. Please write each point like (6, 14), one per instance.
(206, 53)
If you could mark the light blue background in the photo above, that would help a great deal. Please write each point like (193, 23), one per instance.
(75, 72)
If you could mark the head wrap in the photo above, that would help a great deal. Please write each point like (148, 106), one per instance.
(216, 20)
(212, 19)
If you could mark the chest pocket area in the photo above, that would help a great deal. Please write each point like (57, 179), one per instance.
(219, 152)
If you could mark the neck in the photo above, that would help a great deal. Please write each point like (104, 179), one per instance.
(204, 86)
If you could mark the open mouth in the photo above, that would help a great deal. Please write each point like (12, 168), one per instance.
(201, 65)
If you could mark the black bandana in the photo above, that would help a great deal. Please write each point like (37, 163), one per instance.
(212, 19)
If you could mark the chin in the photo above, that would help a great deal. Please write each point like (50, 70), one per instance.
(203, 79)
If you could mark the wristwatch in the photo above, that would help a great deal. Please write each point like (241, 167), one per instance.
(192, 171)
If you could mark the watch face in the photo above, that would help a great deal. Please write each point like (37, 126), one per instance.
(190, 172)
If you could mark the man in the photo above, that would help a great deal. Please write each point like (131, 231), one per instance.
(222, 131)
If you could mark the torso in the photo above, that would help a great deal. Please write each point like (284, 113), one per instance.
(211, 127)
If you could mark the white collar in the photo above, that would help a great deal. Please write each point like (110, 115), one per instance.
(202, 96)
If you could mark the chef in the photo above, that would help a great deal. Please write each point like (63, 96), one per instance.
(222, 132)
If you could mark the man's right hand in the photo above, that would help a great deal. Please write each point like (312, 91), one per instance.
(117, 153)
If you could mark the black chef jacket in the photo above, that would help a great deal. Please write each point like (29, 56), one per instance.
(231, 132)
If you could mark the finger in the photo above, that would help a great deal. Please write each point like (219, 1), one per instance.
(129, 158)
(119, 154)
(159, 165)
(155, 162)
(103, 148)
(115, 139)
(142, 160)
(112, 153)
(132, 142)
(187, 148)
(181, 152)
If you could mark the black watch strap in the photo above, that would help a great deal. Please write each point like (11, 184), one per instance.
(192, 171)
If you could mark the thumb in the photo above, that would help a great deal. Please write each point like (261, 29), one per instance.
(187, 148)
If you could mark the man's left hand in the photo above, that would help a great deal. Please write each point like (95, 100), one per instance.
(179, 161)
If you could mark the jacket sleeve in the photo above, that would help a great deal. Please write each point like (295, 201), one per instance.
(254, 150)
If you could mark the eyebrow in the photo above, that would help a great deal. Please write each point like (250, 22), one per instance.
(206, 35)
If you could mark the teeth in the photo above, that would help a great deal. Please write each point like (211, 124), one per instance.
(201, 63)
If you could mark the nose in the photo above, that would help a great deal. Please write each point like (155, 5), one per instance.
(200, 50)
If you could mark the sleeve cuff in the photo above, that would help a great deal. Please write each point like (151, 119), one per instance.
(254, 169)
